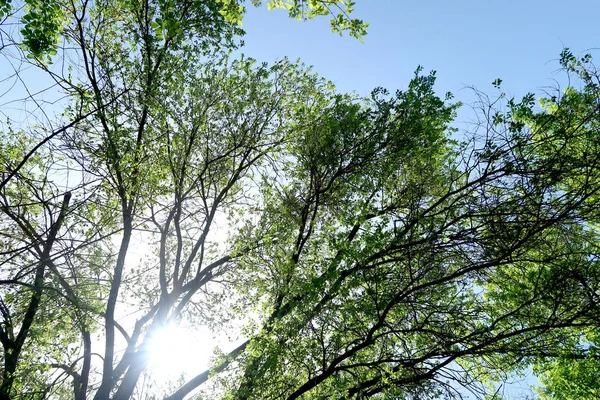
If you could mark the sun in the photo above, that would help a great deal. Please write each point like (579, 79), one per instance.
(176, 350)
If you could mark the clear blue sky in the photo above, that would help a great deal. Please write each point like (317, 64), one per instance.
(468, 42)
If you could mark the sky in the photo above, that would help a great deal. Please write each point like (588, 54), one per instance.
(468, 42)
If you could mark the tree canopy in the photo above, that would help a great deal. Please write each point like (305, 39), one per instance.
(366, 248)
(43, 20)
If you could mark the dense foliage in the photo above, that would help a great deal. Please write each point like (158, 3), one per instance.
(367, 248)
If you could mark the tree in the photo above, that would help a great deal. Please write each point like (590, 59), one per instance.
(376, 255)
(574, 374)
(571, 376)
(42, 20)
